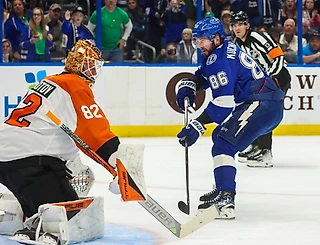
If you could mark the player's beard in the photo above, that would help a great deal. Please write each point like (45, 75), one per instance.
(206, 52)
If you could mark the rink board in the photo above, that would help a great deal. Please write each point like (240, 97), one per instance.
(139, 100)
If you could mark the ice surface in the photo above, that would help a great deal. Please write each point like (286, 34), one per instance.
(275, 206)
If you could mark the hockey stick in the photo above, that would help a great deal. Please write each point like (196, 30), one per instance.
(83, 145)
(185, 207)
(157, 211)
(179, 230)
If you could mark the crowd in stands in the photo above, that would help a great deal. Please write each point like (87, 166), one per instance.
(157, 31)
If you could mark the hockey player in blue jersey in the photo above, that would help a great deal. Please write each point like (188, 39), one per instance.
(245, 103)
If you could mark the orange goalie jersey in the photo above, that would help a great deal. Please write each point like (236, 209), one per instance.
(29, 132)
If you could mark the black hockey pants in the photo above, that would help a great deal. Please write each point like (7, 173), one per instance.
(37, 180)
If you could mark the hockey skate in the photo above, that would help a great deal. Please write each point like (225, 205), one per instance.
(261, 158)
(224, 201)
(243, 156)
(209, 195)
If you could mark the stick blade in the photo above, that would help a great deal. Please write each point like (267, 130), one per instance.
(185, 208)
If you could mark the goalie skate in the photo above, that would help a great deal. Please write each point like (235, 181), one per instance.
(28, 236)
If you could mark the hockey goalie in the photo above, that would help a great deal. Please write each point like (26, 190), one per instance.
(39, 162)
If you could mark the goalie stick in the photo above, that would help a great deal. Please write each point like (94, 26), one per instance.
(202, 218)
(164, 217)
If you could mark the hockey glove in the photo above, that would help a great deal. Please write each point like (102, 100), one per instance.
(190, 133)
(186, 88)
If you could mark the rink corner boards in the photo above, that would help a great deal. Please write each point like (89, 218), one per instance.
(173, 130)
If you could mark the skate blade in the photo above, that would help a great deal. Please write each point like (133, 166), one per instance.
(259, 165)
(226, 214)
(242, 159)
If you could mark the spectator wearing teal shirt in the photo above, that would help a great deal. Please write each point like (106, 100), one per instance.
(311, 52)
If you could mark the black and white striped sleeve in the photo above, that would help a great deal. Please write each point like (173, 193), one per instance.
(267, 45)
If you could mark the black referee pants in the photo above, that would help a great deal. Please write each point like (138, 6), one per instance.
(284, 79)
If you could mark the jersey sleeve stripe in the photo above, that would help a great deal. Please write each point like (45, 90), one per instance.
(277, 65)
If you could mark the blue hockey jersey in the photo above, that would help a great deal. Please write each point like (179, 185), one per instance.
(234, 78)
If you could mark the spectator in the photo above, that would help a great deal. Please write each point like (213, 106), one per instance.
(74, 28)
(113, 20)
(123, 4)
(311, 52)
(138, 20)
(55, 28)
(262, 28)
(154, 9)
(175, 21)
(218, 6)
(308, 9)
(6, 51)
(6, 5)
(5, 16)
(289, 11)
(191, 11)
(275, 33)
(289, 54)
(226, 20)
(288, 39)
(36, 39)
(18, 19)
(168, 55)
(260, 12)
(187, 49)
(209, 14)
(310, 14)
(305, 28)
(36, 4)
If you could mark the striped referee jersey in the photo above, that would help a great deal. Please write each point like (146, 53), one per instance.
(264, 50)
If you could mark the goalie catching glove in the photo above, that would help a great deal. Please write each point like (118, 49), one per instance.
(190, 133)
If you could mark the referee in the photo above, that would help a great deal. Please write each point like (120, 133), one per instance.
(269, 55)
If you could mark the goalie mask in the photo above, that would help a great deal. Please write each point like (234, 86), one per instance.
(85, 60)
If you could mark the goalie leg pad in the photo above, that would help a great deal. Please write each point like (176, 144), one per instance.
(11, 214)
(55, 228)
(88, 224)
